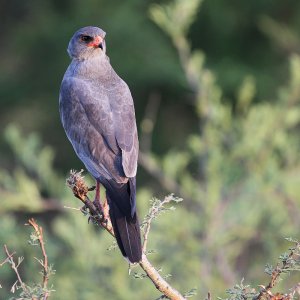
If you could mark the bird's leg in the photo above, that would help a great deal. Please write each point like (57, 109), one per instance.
(105, 210)
(102, 209)
(97, 194)
(97, 201)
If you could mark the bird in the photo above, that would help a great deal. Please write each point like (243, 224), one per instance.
(97, 113)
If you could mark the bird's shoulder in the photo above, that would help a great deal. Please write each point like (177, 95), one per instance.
(71, 85)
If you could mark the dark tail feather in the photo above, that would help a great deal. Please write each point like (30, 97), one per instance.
(124, 221)
(127, 233)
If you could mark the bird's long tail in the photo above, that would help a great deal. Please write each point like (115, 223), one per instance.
(122, 212)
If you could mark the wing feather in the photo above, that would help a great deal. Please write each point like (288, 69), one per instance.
(101, 127)
(89, 126)
(126, 130)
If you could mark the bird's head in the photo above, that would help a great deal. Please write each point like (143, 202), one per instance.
(87, 42)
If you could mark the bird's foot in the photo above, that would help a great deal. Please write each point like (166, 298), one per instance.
(102, 210)
(84, 209)
(98, 206)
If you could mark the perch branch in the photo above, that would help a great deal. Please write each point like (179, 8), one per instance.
(161, 284)
(80, 191)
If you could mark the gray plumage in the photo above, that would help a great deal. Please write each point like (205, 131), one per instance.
(97, 113)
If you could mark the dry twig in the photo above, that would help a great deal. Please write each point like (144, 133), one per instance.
(39, 232)
(7, 259)
(14, 266)
(80, 190)
(155, 210)
(276, 273)
(38, 291)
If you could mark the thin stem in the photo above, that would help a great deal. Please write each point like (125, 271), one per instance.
(276, 273)
(39, 232)
(152, 215)
(14, 267)
(7, 259)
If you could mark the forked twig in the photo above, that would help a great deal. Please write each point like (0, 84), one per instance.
(10, 260)
(155, 210)
(37, 291)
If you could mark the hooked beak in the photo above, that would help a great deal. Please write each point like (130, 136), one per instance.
(97, 42)
(102, 45)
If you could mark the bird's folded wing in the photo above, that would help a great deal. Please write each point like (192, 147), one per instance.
(88, 121)
(101, 127)
(125, 127)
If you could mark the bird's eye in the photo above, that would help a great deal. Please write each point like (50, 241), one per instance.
(86, 38)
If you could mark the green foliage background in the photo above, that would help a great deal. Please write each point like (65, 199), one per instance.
(225, 78)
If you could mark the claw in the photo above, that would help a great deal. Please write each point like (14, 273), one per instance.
(98, 206)
(83, 209)
(92, 188)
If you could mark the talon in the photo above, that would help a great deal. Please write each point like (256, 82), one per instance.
(92, 188)
(83, 209)
(98, 207)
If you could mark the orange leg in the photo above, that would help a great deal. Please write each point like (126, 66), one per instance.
(97, 194)
(105, 209)
(97, 202)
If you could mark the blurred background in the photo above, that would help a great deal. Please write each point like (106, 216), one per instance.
(216, 87)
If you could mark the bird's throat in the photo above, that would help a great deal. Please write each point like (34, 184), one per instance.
(95, 67)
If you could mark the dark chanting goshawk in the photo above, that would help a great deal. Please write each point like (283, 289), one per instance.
(97, 113)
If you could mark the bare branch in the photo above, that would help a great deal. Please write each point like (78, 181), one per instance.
(37, 291)
(14, 267)
(44, 262)
(283, 267)
(7, 259)
(80, 190)
(157, 207)
(161, 284)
